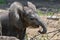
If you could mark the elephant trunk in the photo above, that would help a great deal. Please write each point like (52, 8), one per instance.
(43, 25)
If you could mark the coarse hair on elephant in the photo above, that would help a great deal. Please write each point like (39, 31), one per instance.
(19, 18)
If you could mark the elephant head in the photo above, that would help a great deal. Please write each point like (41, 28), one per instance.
(31, 18)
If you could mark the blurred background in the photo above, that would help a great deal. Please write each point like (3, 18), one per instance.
(48, 10)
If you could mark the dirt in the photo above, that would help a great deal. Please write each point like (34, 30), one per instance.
(52, 25)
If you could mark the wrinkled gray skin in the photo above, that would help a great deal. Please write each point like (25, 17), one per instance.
(20, 17)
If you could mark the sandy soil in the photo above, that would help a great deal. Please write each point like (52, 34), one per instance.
(52, 25)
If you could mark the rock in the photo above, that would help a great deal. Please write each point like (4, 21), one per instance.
(53, 17)
(8, 38)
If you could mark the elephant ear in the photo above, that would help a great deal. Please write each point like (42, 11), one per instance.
(31, 5)
(13, 10)
(13, 14)
(16, 5)
(27, 9)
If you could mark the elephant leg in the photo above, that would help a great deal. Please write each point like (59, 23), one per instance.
(22, 34)
(12, 31)
(4, 30)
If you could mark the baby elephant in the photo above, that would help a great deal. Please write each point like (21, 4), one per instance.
(19, 18)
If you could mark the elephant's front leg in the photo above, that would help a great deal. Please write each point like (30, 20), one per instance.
(22, 34)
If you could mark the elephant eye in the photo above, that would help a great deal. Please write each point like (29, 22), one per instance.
(32, 18)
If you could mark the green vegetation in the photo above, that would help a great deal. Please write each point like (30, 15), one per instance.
(50, 13)
(39, 37)
(2, 1)
(40, 13)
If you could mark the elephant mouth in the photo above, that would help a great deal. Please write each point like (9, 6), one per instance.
(41, 30)
(35, 26)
